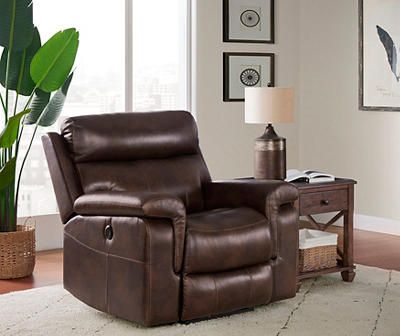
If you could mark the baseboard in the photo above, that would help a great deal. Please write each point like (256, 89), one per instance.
(377, 224)
(368, 223)
(49, 231)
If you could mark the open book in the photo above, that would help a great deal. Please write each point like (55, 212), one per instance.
(310, 176)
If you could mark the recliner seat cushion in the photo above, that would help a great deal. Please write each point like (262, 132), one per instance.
(226, 239)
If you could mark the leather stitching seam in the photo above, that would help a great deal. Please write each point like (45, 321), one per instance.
(184, 295)
(250, 287)
(216, 297)
(149, 289)
(228, 229)
(104, 253)
(107, 273)
(272, 219)
(64, 178)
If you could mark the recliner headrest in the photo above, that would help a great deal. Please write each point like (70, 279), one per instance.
(131, 136)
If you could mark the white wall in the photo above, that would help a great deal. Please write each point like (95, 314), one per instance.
(226, 141)
(49, 231)
(317, 53)
(334, 135)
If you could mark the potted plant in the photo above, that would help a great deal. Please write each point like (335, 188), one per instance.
(36, 77)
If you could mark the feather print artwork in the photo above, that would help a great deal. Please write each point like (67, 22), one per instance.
(391, 50)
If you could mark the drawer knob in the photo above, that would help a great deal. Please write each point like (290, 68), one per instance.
(325, 202)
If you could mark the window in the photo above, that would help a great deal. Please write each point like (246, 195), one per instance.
(133, 55)
(160, 54)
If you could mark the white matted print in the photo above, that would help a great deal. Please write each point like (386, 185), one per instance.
(249, 21)
(243, 70)
(379, 55)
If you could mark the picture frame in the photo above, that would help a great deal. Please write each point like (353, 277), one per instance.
(242, 70)
(379, 41)
(249, 21)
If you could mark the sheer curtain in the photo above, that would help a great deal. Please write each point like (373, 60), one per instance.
(159, 71)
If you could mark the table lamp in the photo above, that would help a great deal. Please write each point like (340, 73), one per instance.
(267, 105)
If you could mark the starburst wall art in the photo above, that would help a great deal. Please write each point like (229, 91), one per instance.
(379, 66)
(243, 70)
(249, 21)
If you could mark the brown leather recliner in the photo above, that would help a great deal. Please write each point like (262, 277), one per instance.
(149, 238)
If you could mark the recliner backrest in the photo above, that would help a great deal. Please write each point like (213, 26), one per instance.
(155, 151)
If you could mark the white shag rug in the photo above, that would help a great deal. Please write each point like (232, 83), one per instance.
(324, 306)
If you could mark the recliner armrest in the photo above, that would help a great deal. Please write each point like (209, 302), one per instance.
(113, 203)
(276, 200)
(265, 196)
(249, 192)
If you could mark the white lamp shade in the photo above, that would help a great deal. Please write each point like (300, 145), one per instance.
(264, 105)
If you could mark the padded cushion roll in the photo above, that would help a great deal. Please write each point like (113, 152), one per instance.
(130, 136)
(213, 294)
(226, 239)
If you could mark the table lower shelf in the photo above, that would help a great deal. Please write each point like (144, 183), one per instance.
(312, 274)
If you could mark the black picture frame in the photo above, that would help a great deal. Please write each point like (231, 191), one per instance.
(226, 77)
(226, 37)
(361, 104)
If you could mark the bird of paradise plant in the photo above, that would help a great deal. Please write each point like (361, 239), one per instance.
(36, 77)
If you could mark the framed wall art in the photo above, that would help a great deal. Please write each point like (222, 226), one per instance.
(243, 70)
(379, 55)
(249, 21)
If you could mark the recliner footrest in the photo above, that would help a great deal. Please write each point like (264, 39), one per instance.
(206, 295)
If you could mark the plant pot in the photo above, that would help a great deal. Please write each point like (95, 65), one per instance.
(17, 252)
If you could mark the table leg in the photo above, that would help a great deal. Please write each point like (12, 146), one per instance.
(348, 246)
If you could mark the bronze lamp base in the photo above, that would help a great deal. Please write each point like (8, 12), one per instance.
(270, 156)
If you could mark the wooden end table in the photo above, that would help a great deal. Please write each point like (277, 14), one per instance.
(337, 196)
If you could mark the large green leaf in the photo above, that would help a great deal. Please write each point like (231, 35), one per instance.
(19, 77)
(53, 62)
(10, 132)
(54, 109)
(39, 103)
(7, 174)
(16, 24)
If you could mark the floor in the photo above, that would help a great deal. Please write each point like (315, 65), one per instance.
(48, 271)
(371, 249)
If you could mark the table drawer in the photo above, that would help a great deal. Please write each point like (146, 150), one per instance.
(322, 202)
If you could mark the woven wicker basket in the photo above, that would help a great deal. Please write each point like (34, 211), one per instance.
(17, 252)
(316, 258)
